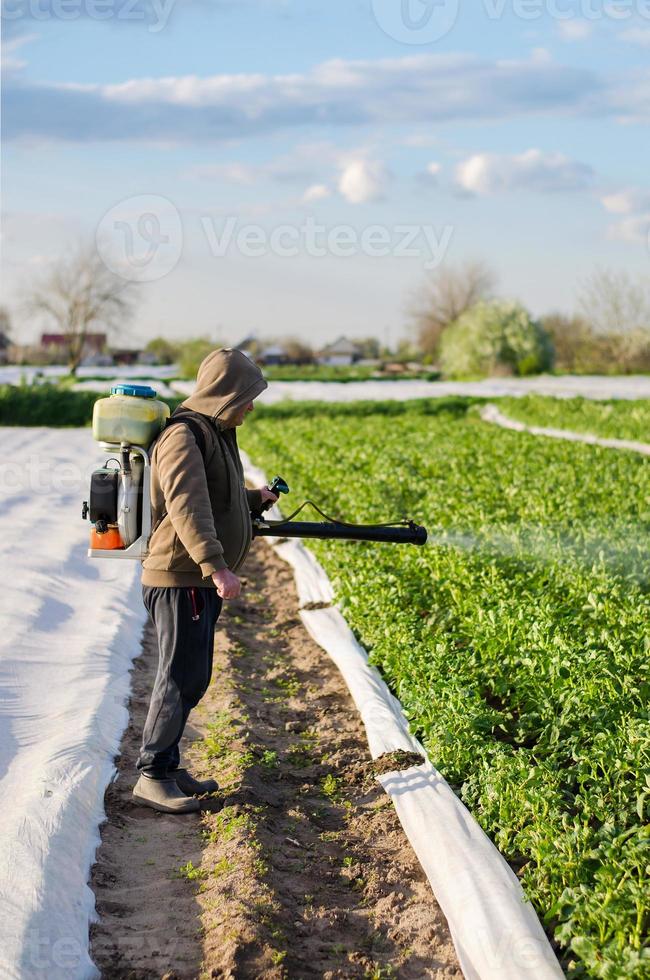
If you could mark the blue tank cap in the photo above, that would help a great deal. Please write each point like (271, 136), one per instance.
(136, 391)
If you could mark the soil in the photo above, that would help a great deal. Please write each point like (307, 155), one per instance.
(298, 867)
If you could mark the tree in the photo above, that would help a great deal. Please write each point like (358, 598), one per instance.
(576, 348)
(80, 293)
(449, 293)
(495, 338)
(298, 351)
(5, 322)
(163, 350)
(5, 331)
(370, 347)
(192, 352)
(613, 303)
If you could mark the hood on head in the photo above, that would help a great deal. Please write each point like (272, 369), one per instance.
(225, 382)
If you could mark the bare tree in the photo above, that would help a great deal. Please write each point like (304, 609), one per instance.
(298, 351)
(5, 321)
(614, 303)
(77, 294)
(446, 296)
(370, 347)
(5, 334)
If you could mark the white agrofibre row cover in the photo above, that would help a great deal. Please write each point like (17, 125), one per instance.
(490, 413)
(594, 387)
(495, 930)
(70, 628)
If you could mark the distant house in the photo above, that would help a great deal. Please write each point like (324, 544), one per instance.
(98, 360)
(148, 357)
(272, 355)
(341, 353)
(126, 356)
(5, 344)
(288, 351)
(59, 343)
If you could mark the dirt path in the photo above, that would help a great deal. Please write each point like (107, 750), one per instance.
(304, 871)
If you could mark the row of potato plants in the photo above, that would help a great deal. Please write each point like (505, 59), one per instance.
(612, 419)
(516, 639)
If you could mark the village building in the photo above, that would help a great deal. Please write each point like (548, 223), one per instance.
(342, 353)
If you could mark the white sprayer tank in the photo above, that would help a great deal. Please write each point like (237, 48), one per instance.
(126, 423)
(132, 414)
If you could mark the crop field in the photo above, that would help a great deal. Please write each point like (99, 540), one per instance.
(517, 639)
(612, 419)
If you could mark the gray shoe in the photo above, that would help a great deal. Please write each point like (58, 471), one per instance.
(191, 786)
(163, 795)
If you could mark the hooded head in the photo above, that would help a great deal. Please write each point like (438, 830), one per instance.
(225, 382)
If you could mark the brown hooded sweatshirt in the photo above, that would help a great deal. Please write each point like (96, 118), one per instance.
(200, 510)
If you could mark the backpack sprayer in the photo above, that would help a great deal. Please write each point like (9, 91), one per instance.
(119, 503)
(125, 425)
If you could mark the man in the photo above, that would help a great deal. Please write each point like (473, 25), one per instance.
(201, 534)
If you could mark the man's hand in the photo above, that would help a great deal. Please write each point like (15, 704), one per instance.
(227, 583)
(268, 496)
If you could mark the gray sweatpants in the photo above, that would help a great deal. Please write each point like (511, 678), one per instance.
(184, 620)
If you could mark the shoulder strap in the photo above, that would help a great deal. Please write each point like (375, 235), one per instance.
(186, 418)
(183, 418)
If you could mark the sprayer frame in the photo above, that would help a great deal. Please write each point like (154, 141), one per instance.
(139, 547)
(329, 530)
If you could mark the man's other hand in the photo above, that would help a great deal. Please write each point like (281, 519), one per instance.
(227, 583)
(268, 496)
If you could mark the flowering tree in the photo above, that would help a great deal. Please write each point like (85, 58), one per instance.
(495, 338)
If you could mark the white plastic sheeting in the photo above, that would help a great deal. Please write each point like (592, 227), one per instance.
(490, 413)
(495, 930)
(70, 629)
(13, 374)
(594, 387)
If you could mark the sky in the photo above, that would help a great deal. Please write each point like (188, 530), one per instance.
(293, 167)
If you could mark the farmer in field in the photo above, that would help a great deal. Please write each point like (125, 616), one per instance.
(201, 535)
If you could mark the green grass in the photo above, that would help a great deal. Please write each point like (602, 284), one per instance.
(612, 419)
(49, 404)
(517, 640)
(191, 873)
(356, 372)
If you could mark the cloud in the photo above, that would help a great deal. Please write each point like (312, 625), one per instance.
(421, 88)
(228, 173)
(430, 173)
(533, 170)
(317, 192)
(635, 229)
(630, 99)
(282, 170)
(575, 30)
(9, 47)
(634, 204)
(636, 35)
(627, 201)
(362, 181)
